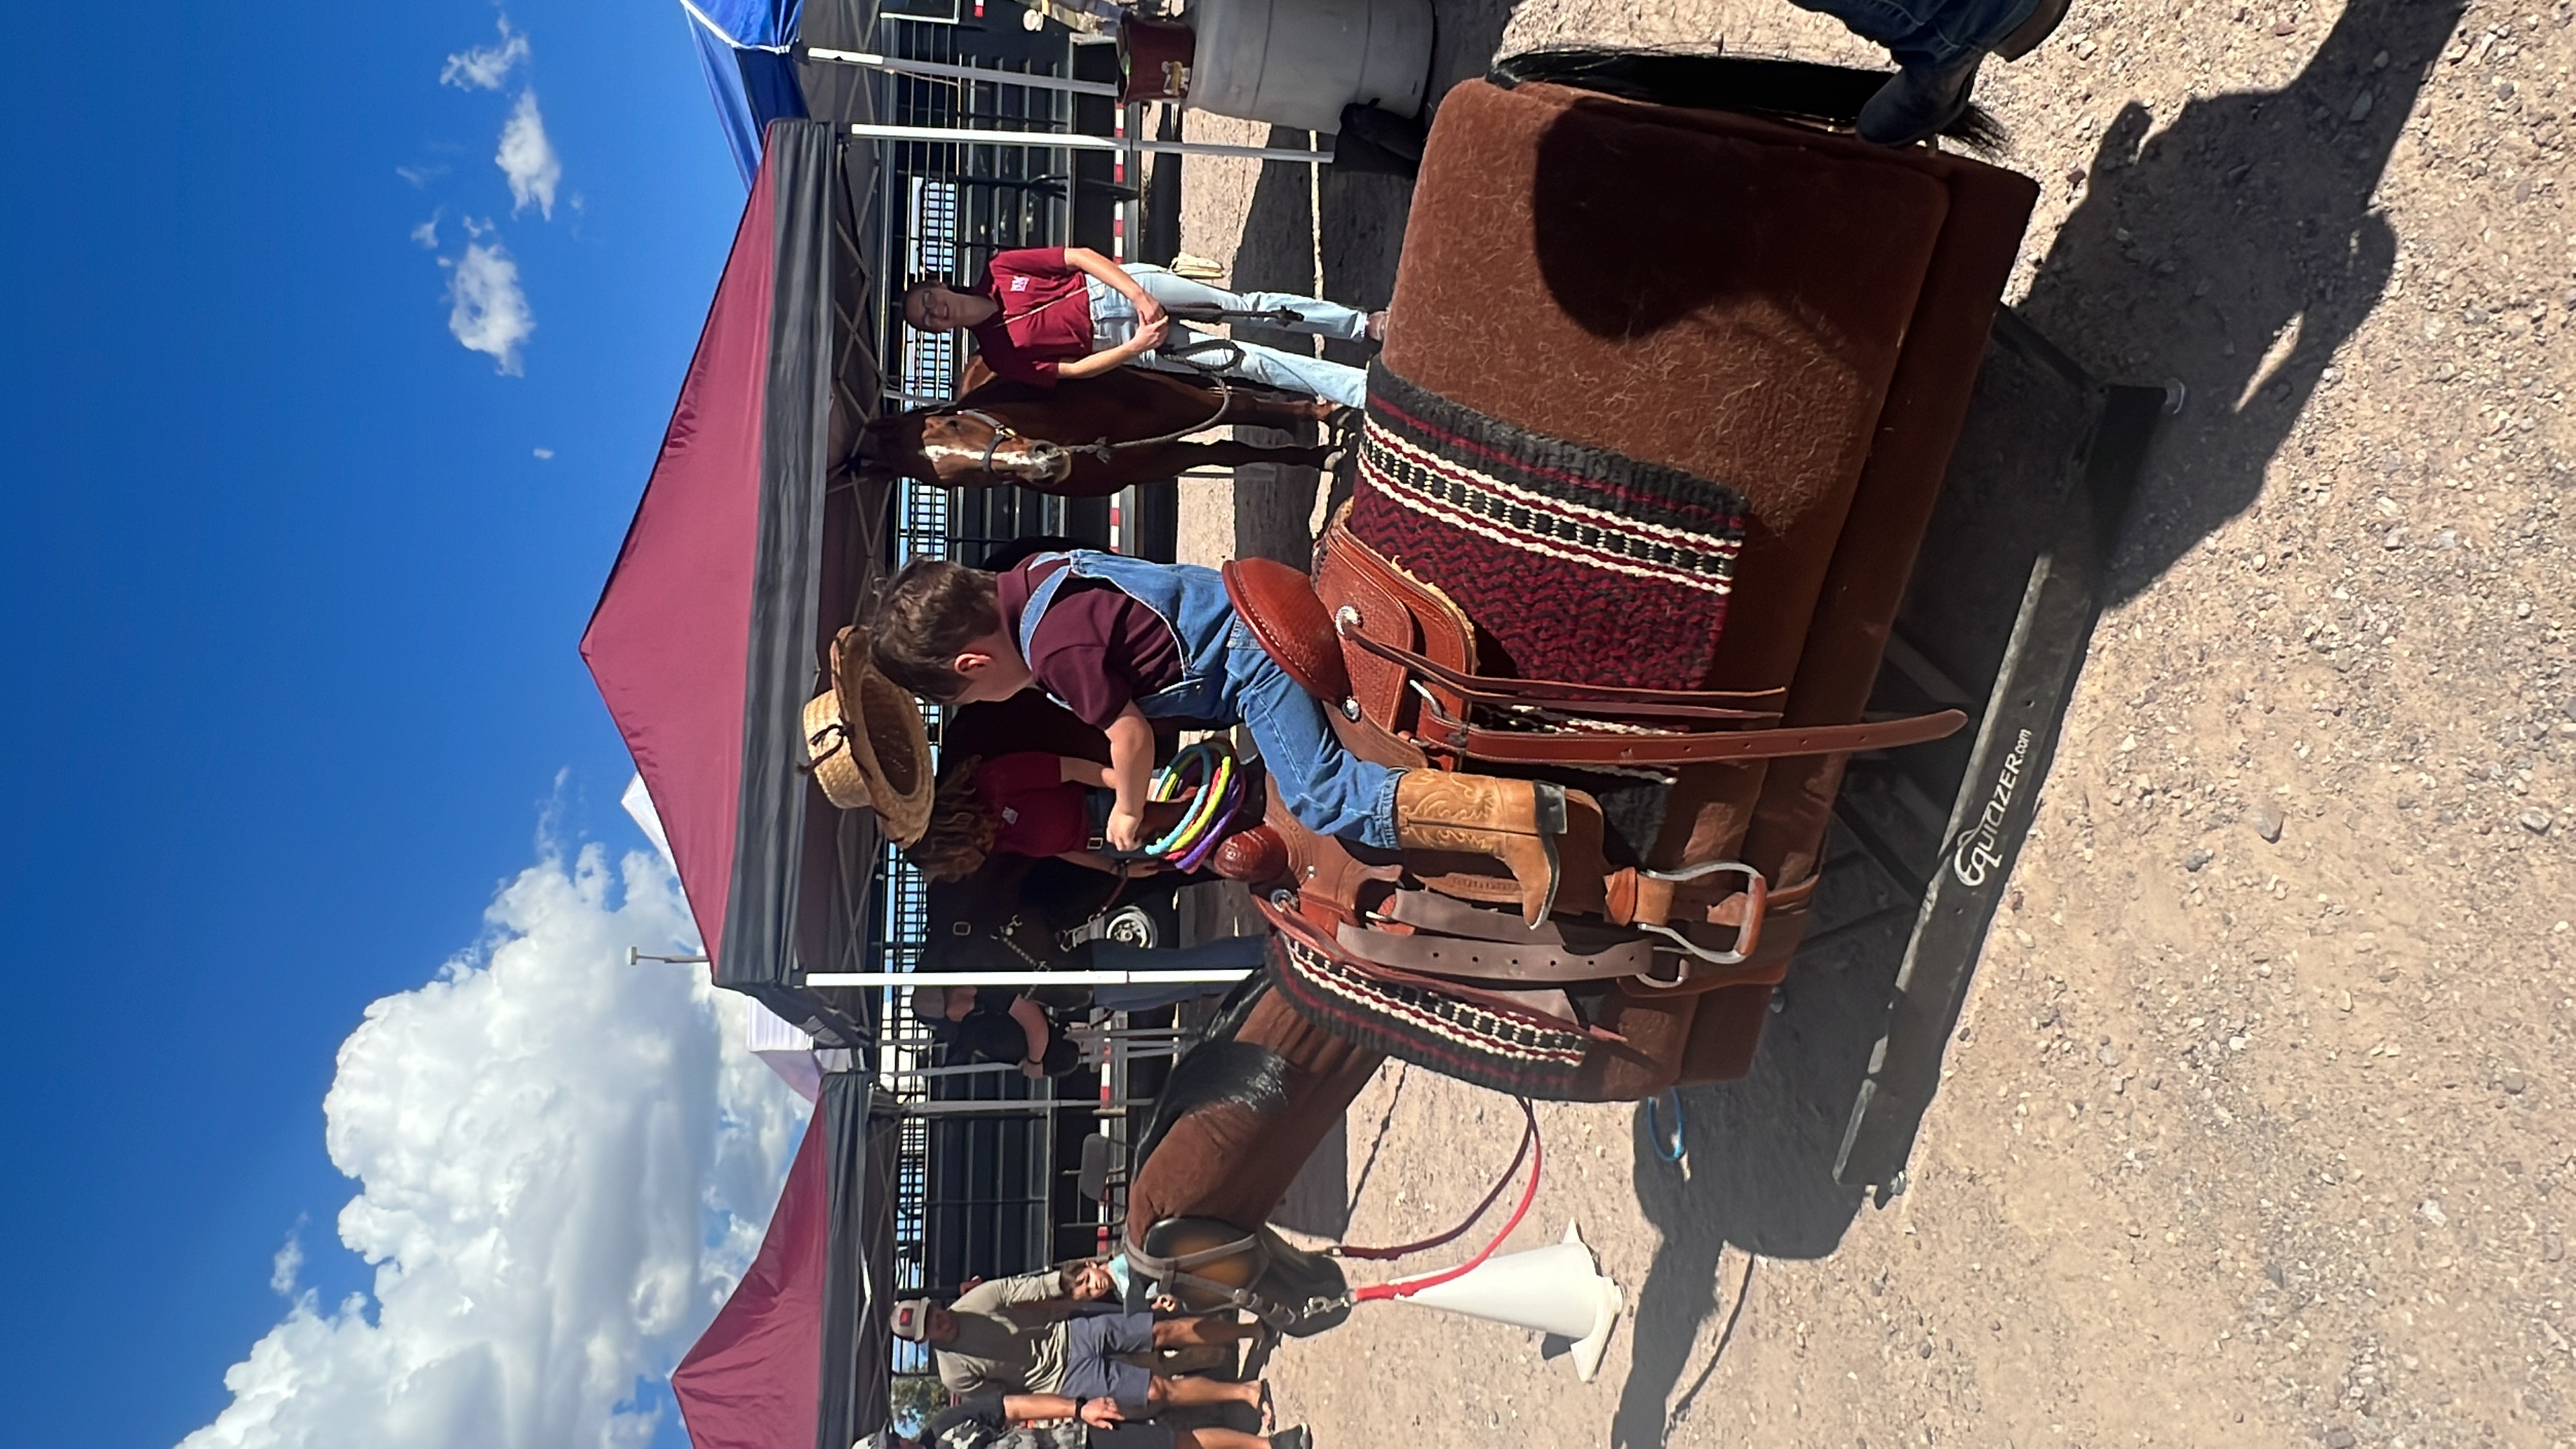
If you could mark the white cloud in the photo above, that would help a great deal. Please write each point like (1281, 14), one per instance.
(427, 232)
(288, 1265)
(528, 159)
(487, 311)
(485, 67)
(543, 453)
(420, 176)
(564, 1164)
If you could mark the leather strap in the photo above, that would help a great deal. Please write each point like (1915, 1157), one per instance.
(1566, 695)
(1545, 1008)
(1390, 606)
(1490, 961)
(1445, 734)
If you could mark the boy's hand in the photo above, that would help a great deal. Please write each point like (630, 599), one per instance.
(1126, 828)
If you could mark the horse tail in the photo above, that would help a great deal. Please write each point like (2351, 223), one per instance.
(1791, 89)
(1218, 1072)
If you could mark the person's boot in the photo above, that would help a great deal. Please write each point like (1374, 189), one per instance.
(1514, 821)
(1920, 101)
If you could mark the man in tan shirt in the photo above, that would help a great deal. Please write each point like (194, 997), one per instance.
(1031, 1335)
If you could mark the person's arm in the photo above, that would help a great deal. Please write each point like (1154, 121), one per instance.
(1033, 1024)
(1043, 1286)
(1090, 774)
(1131, 762)
(1117, 279)
(1145, 340)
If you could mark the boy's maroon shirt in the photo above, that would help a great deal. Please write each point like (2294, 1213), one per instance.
(1097, 649)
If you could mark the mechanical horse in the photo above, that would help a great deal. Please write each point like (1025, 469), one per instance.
(1635, 510)
(1086, 437)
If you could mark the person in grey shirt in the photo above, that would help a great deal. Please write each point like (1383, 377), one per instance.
(1033, 1334)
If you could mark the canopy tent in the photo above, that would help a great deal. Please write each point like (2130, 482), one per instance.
(752, 53)
(794, 1357)
(754, 542)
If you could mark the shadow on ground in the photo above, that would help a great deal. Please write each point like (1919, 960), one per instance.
(2237, 250)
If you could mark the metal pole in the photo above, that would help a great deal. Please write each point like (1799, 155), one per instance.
(951, 136)
(961, 72)
(1022, 978)
(1004, 1107)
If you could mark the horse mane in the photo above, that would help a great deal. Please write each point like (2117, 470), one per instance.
(1795, 90)
(1219, 1072)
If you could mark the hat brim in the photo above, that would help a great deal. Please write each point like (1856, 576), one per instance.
(884, 737)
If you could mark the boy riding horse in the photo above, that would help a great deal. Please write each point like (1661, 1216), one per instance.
(1121, 643)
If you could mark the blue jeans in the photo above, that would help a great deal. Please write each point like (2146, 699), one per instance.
(1329, 789)
(1227, 677)
(1243, 953)
(1113, 320)
(1927, 32)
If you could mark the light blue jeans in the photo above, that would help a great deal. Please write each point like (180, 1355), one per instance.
(1243, 953)
(1927, 32)
(1113, 320)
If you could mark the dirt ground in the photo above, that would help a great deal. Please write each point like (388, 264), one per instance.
(2258, 1129)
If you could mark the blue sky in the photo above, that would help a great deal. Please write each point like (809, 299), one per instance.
(291, 590)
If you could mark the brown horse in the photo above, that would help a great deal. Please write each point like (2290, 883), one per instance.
(1085, 437)
(1745, 310)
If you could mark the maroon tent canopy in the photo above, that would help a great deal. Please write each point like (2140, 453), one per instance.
(753, 1379)
(752, 546)
(748, 551)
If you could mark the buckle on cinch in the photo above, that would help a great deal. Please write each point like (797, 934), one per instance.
(1748, 932)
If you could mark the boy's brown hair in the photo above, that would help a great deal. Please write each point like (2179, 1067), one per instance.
(961, 830)
(931, 611)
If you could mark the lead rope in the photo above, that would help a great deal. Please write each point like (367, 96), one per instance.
(1406, 1288)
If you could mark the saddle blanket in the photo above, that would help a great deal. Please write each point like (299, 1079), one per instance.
(1574, 563)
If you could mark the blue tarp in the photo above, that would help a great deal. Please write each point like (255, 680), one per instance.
(746, 48)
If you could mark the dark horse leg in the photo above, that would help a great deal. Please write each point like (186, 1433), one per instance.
(1260, 408)
(1233, 1164)
(1093, 479)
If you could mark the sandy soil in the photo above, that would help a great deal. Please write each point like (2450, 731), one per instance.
(2258, 1132)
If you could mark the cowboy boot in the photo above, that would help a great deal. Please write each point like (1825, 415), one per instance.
(1514, 821)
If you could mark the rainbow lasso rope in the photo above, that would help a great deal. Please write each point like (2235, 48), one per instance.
(1208, 777)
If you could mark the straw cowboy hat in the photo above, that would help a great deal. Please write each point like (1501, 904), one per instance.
(867, 745)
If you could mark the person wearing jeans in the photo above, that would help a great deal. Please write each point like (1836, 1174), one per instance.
(1043, 313)
(1938, 46)
(1114, 322)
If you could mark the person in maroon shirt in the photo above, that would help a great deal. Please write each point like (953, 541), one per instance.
(1043, 313)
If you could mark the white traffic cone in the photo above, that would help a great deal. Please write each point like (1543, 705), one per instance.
(1555, 1289)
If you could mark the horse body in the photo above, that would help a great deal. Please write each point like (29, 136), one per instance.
(1084, 437)
(1822, 372)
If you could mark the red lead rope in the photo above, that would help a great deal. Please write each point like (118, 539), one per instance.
(1407, 1287)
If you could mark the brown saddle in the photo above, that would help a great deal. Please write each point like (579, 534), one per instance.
(1755, 337)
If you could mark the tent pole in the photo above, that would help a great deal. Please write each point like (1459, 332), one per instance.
(1210, 976)
(937, 135)
(946, 71)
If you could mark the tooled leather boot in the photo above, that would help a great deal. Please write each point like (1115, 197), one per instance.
(1514, 821)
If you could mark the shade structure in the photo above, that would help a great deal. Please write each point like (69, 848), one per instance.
(797, 1354)
(752, 544)
(746, 49)
(750, 51)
